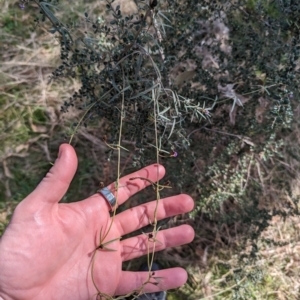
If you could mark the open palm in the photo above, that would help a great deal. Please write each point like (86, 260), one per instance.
(48, 248)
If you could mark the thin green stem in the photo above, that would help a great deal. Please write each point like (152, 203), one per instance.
(85, 113)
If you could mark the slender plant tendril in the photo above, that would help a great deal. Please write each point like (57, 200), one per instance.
(156, 186)
(84, 115)
(155, 106)
(102, 245)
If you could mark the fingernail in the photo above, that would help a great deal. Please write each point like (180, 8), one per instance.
(60, 151)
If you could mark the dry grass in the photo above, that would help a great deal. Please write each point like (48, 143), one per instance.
(31, 124)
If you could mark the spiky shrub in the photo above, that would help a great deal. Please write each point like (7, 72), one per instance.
(209, 84)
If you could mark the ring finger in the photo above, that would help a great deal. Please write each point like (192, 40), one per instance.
(143, 244)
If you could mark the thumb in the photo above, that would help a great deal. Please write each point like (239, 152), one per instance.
(56, 183)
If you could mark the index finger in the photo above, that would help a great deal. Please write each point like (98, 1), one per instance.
(134, 182)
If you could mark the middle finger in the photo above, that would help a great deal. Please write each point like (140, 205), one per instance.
(137, 217)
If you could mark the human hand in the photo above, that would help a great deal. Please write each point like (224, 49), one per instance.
(47, 248)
